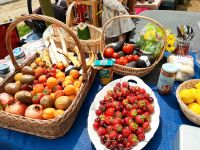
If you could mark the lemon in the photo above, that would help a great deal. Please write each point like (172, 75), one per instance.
(194, 107)
(188, 95)
(197, 85)
(18, 76)
(198, 96)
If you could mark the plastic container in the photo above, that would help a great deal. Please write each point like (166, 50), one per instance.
(166, 78)
(18, 52)
(4, 69)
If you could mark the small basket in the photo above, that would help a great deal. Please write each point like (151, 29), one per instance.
(124, 70)
(52, 128)
(187, 112)
(91, 45)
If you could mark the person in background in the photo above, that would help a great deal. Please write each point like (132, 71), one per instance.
(118, 27)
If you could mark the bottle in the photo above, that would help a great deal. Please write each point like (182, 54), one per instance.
(166, 78)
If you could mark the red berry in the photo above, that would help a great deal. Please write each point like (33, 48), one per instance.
(142, 91)
(141, 136)
(117, 121)
(113, 134)
(128, 145)
(95, 125)
(117, 128)
(150, 108)
(139, 130)
(118, 84)
(139, 119)
(109, 129)
(133, 126)
(126, 131)
(110, 112)
(120, 138)
(125, 84)
(127, 120)
(101, 131)
(146, 126)
(132, 138)
(98, 112)
(108, 120)
(133, 113)
(118, 114)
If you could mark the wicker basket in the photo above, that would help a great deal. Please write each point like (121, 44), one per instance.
(124, 70)
(58, 126)
(91, 45)
(187, 112)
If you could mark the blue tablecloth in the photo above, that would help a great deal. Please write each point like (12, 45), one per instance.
(77, 138)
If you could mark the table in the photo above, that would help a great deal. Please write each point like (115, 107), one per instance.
(77, 138)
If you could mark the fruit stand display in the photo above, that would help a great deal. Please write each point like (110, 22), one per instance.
(40, 97)
(131, 58)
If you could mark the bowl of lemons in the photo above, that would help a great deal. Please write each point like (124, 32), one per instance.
(188, 96)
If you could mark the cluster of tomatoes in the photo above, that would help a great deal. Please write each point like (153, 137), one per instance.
(128, 54)
(123, 116)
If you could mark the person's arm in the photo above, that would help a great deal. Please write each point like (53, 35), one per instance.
(114, 5)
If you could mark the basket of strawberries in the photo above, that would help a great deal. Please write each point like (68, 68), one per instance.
(139, 57)
(42, 98)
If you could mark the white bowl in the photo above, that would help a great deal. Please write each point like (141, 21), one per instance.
(94, 137)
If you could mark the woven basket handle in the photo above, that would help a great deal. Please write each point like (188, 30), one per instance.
(69, 14)
(102, 42)
(46, 19)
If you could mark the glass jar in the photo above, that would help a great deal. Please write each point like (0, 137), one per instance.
(166, 78)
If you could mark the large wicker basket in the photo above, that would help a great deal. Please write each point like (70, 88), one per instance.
(124, 70)
(58, 126)
(187, 112)
(91, 45)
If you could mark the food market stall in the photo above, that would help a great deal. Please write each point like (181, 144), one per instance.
(171, 117)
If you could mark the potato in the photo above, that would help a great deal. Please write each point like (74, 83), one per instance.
(12, 88)
(24, 97)
(27, 79)
(28, 70)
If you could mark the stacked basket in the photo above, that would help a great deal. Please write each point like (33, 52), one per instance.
(52, 128)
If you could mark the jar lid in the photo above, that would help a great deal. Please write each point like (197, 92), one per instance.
(4, 66)
(18, 51)
(170, 68)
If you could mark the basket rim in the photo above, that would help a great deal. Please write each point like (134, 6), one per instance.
(182, 104)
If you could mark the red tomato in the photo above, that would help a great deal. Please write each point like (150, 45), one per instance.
(115, 55)
(124, 60)
(135, 57)
(118, 61)
(128, 48)
(130, 58)
(108, 52)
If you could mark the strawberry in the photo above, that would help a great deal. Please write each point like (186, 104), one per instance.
(118, 114)
(139, 119)
(108, 120)
(150, 108)
(139, 130)
(132, 138)
(146, 126)
(125, 92)
(129, 106)
(133, 113)
(109, 129)
(117, 121)
(117, 127)
(118, 84)
(141, 103)
(133, 126)
(125, 102)
(127, 120)
(110, 112)
(132, 99)
(95, 125)
(126, 131)
(101, 131)
(141, 136)
(125, 84)
(113, 134)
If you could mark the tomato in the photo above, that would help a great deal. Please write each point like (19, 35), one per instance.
(124, 61)
(108, 52)
(118, 61)
(37, 97)
(130, 58)
(115, 55)
(135, 57)
(128, 48)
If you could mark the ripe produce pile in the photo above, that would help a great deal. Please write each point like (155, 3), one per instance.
(40, 91)
(123, 116)
(127, 54)
(191, 97)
